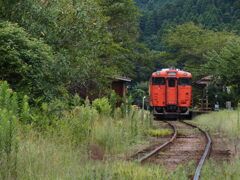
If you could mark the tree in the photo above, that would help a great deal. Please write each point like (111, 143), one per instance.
(187, 44)
(78, 33)
(225, 65)
(27, 63)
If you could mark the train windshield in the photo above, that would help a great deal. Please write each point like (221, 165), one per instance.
(184, 81)
(171, 83)
(158, 81)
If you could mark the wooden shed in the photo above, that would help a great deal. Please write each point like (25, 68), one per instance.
(202, 84)
(119, 85)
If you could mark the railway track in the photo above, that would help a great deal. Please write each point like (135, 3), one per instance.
(180, 147)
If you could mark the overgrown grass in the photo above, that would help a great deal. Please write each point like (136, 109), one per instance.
(42, 158)
(81, 141)
(63, 150)
(223, 123)
(227, 121)
(54, 156)
(159, 132)
(226, 170)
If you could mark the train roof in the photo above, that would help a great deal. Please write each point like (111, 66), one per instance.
(171, 72)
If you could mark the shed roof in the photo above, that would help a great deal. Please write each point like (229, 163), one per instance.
(204, 81)
(122, 78)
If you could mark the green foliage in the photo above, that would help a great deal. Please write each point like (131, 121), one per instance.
(8, 132)
(226, 121)
(138, 92)
(225, 64)
(121, 13)
(117, 134)
(159, 16)
(8, 144)
(113, 99)
(188, 44)
(91, 40)
(25, 111)
(77, 32)
(26, 63)
(103, 106)
(224, 67)
(80, 122)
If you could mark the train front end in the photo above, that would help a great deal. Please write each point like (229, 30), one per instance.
(170, 93)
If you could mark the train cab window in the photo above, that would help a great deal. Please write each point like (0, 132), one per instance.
(184, 81)
(158, 81)
(171, 82)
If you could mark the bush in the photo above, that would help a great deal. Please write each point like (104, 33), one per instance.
(80, 122)
(113, 101)
(8, 132)
(102, 106)
(27, 63)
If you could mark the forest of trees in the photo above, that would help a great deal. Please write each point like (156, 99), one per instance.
(158, 16)
(53, 49)
(58, 59)
(49, 48)
(200, 36)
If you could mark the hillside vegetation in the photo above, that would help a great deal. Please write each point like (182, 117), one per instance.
(161, 15)
(58, 58)
(201, 37)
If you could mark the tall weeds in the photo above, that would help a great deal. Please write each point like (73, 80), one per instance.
(8, 132)
(39, 133)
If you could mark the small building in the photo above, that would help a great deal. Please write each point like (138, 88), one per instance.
(119, 85)
(204, 82)
(203, 85)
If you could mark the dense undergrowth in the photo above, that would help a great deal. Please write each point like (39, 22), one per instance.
(62, 140)
(79, 140)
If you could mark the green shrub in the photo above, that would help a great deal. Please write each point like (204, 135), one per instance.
(113, 101)
(25, 114)
(110, 135)
(103, 106)
(80, 122)
(27, 63)
(8, 132)
(8, 144)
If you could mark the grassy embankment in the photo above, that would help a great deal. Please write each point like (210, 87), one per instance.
(223, 124)
(60, 153)
(55, 141)
(88, 142)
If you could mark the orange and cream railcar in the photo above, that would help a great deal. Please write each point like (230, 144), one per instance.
(170, 93)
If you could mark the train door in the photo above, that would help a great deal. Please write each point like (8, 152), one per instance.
(171, 91)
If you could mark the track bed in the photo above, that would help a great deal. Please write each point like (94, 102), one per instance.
(188, 146)
(188, 143)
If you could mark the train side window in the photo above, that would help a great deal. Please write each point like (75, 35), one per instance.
(158, 81)
(184, 81)
(171, 82)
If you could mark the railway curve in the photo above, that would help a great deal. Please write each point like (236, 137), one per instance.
(185, 145)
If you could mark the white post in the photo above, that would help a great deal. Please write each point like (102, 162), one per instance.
(143, 102)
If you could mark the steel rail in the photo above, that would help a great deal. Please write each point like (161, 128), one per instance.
(156, 150)
(206, 152)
